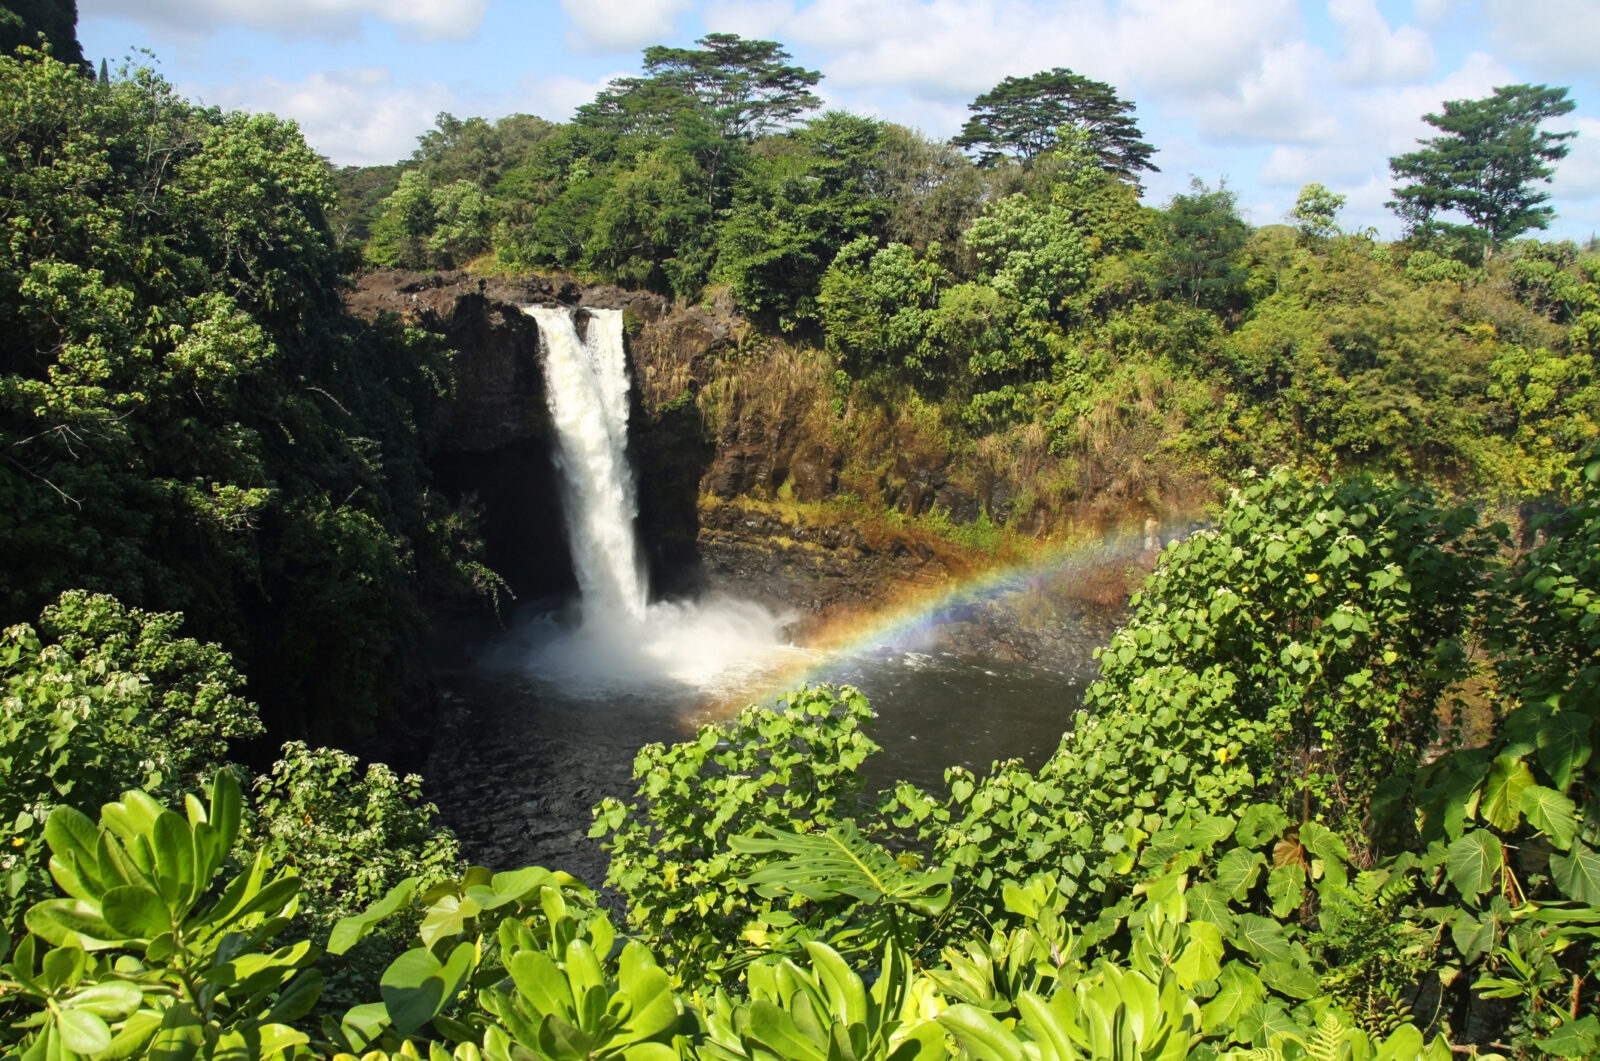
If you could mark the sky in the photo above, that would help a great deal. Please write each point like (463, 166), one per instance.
(1266, 94)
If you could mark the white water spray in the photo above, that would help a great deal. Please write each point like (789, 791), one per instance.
(622, 641)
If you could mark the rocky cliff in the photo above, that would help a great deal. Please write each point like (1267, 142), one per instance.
(724, 433)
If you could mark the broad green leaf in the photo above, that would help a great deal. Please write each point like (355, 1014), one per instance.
(136, 911)
(981, 1035)
(541, 982)
(1262, 938)
(846, 995)
(348, 932)
(1575, 1038)
(1286, 888)
(1290, 979)
(1501, 805)
(1564, 746)
(1237, 871)
(73, 839)
(1259, 823)
(841, 861)
(1238, 988)
(110, 999)
(776, 1030)
(1046, 1024)
(414, 988)
(298, 998)
(1577, 873)
(173, 846)
(1551, 813)
(1208, 902)
(1200, 958)
(72, 923)
(83, 1032)
(1474, 861)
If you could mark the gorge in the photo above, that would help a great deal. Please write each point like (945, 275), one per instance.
(966, 666)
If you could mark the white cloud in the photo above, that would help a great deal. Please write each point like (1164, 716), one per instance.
(600, 26)
(1200, 45)
(1277, 102)
(555, 98)
(1556, 38)
(1578, 175)
(354, 117)
(1433, 12)
(954, 49)
(1374, 54)
(429, 19)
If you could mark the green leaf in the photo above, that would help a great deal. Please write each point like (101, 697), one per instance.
(1577, 874)
(82, 1032)
(1259, 823)
(1208, 902)
(1501, 805)
(981, 1035)
(846, 995)
(540, 982)
(1237, 871)
(1576, 1039)
(839, 862)
(416, 986)
(1290, 979)
(1262, 938)
(1564, 746)
(1551, 813)
(1238, 988)
(349, 931)
(72, 923)
(776, 1030)
(1286, 889)
(1474, 861)
(110, 999)
(136, 912)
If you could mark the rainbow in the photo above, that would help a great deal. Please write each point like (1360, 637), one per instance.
(1093, 571)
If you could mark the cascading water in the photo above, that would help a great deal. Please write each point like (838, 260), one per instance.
(622, 641)
(587, 383)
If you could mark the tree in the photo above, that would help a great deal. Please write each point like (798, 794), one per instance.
(22, 21)
(1316, 211)
(1485, 164)
(1203, 239)
(742, 87)
(1025, 116)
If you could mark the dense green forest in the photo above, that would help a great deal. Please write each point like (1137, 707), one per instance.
(1332, 795)
(1022, 307)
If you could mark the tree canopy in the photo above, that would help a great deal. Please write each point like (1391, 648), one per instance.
(1485, 164)
(22, 22)
(1025, 116)
(743, 87)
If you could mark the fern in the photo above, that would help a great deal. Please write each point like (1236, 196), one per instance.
(841, 862)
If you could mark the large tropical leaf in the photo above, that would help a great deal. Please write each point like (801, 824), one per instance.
(1473, 861)
(842, 862)
(1577, 873)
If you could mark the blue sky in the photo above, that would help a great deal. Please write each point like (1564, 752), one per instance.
(1269, 94)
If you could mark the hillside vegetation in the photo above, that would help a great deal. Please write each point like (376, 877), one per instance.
(1026, 316)
(1332, 796)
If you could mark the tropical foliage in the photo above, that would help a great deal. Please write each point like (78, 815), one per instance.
(1333, 795)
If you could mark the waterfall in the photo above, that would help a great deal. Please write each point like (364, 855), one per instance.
(622, 641)
(587, 386)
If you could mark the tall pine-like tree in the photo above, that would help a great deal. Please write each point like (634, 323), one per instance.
(1485, 165)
